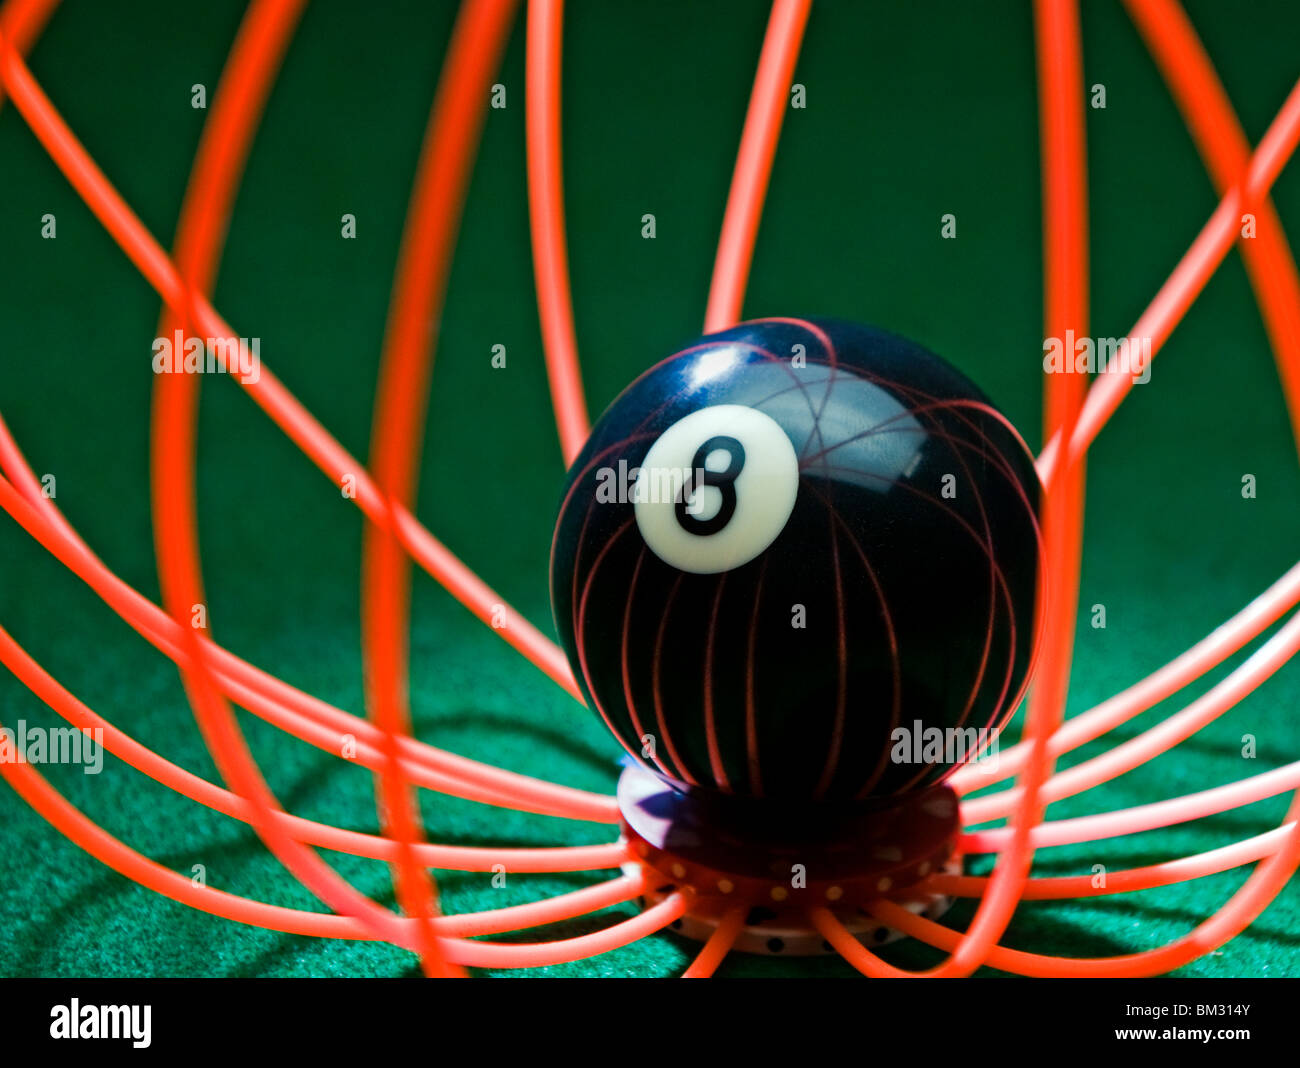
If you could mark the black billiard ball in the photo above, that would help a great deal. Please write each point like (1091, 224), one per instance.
(797, 561)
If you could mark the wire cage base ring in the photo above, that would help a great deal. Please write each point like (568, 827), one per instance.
(767, 932)
(776, 862)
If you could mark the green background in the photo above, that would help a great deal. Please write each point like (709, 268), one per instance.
(913, 111)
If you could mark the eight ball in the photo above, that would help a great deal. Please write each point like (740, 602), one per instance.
(797, 562)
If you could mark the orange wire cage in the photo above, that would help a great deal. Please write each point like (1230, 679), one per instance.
(1076, 409)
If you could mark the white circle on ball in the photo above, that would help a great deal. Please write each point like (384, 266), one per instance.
(680, 506)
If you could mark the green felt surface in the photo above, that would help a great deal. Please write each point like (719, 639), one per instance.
(911, 113)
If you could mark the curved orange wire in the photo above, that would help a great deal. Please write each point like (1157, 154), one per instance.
(767, 107)
(1164, 873)
(718, 946)
(1222, 144)
(546, 221)
(1145, 817)
(22, 22)
(1060, 81)
(397, 428)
